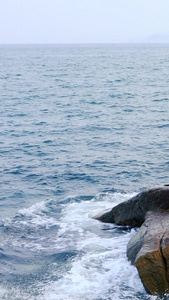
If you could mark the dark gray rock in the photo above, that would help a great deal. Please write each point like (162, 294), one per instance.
(132, 212)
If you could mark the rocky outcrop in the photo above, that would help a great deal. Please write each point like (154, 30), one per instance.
(133, 211)
(149, 251)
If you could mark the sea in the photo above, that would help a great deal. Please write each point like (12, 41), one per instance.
(83, 127)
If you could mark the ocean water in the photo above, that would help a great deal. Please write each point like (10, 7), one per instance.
(83, 127)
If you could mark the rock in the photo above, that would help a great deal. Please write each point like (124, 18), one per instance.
(132, 212)
(149, 251)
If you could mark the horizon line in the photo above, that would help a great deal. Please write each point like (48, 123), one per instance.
(82, 43)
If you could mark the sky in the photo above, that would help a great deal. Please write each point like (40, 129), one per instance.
(83, 21)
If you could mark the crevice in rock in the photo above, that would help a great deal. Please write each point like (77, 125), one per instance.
(140, 208)
(163, 257)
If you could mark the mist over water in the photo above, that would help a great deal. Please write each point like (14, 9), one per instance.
(83, 127)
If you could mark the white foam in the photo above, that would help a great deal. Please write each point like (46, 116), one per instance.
(36, 208)
(102, 270)
(37, 214)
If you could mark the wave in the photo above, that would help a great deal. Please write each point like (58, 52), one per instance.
(66, 254)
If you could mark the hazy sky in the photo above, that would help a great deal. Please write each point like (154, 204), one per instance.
(83, 21)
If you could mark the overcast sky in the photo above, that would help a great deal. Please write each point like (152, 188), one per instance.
(83, 21)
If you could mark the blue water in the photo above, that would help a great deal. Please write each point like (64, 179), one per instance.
(83, 127)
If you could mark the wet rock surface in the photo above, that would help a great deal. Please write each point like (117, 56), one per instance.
(133, 211)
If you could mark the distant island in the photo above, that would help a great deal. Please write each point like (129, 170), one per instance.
(155, 38)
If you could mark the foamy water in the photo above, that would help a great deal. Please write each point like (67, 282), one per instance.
(87, 258)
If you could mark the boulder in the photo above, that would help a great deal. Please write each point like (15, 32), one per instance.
(148, 250)
(132, 212)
